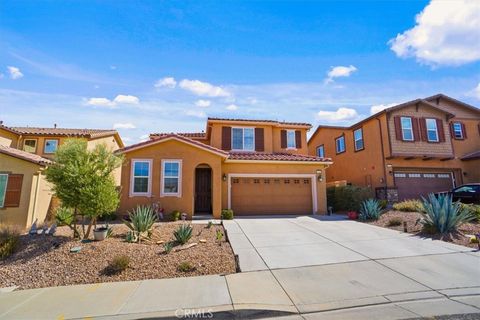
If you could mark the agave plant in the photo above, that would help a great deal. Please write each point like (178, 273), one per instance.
(443, 215)
(370, 210)
(183, 233)
(141, 222)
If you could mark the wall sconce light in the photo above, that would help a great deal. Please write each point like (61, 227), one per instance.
(224, 177)
(389, 167)
(319, 173)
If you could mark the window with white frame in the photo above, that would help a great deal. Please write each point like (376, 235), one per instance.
(432, 132)
(141, 177)
(243, 139)
(51, 146)
(171, 177)
(3, 188)
(457, 130)
(407, 128)
(358, 139)
(340, 144)
(30, 145)
(291, 143)
(321, 151)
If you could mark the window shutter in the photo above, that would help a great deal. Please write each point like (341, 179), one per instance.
(452, 132)
(227, 138)
(298, 139)
(14, 190)
(259, 140)
(441, 131)
(398, 128)
(283, 139)
(416, 132)
(464, 131)
(423, 129)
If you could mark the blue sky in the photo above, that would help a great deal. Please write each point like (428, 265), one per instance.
(154, 66)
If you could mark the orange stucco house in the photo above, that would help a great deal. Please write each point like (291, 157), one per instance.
(250, 166)
(412, 149)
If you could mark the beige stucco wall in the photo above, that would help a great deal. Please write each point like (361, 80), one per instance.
(8, 138)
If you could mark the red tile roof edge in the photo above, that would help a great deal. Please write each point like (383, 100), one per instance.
(260, 120)
(20, 154)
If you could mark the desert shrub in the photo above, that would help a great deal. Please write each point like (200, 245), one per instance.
(442, 215)
(167, 247)
(347, 198)
(130, 237)
(183, 233)
(473, 208)
(185, 267)
(64, 216)
(118, 265)
(412, 205)
(175, 215)
(395, 222)
(219, 235)
(370, 210)
(209, 224)
(227, 214)
(383, 204)
(141, 222)
(9, 240)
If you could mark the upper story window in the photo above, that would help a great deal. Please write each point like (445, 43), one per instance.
(171, 177)
(51, 146)
(291, 139)
(358, 139)
(340, 144)
(321, 151)
(407, 128)
(141, 177)
(457, 128)
(243, 139)
(432, 130)
(30, 145)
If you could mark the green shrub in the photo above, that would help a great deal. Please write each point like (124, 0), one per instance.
(474, 209)
(395, 222)
(412, 205)
(64, 216)
(227, 214)
(383, 203)
(183, 233)
(370, 210)
(219, 235)
(9, 240)
(443, 215)
(185, 267)
(347, 198)
(118, 265)
(175, 215)
(209, 224)
(167, 247)
(141, 222)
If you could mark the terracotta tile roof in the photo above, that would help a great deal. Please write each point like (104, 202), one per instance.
(471, 156)
(20, 154)
(265, 121)
(170, 136)
(191, 135)
(259, 156)
(87, 133)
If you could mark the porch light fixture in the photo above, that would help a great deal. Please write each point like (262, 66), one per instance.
(224, 177)
(319, 173)
(389, 167)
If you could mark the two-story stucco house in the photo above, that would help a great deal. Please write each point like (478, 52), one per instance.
(421, 146)
(250, 166)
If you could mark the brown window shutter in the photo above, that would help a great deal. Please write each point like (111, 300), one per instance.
(416, 131)
(441, 131)
(226, 138)
(423, 129)
(283, 139)
(14, 190)
(452, 133)
(298, 139)
(464, 130)
(398, 128)
(259, 140)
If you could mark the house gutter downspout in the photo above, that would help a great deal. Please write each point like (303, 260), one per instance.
(383, 156)
(35, 197)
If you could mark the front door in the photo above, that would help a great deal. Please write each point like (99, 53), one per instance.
(203, 190)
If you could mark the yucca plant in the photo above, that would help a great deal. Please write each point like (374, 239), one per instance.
(442, 215)
(64, 216)
(183, 233)
(370, 209)
(141, 222)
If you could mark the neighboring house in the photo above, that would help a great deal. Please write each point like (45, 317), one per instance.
(421, 146)
(250, 166)
(24, 153)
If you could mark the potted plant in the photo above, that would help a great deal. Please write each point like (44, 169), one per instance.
(352, 215)
(100, 233)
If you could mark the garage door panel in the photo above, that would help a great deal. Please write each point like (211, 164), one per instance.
(271, 196)
(414, 185)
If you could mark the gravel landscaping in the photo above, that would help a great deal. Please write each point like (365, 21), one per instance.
(46, 261)
(461, 238)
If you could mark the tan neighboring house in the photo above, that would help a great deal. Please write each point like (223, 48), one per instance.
(421, 146)
(251, 166)
(24, 153)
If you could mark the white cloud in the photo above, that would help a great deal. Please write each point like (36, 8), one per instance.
(126, 99)
(196, 113)
(113, 67)
(475, 92)
(144, 137)
(339, 71)
(203, 103)
(232, 107)
(342, 114)
(167, 82)
(126, 125)
(14, 72)
(203, 88)
(446, 33)
(101, 102)
(379, 107)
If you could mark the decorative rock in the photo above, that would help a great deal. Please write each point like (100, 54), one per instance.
(202, 240)
(52, 230)
(75, 249)
(160, 242)
(33, 229)
(185, 247)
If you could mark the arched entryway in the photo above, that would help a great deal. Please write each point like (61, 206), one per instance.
(203, 189)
